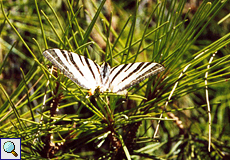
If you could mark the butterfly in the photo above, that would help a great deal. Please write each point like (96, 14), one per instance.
(89, 75)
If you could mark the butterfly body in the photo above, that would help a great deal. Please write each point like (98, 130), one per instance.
(89, 75)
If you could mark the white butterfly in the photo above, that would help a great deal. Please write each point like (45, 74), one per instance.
(89, 75)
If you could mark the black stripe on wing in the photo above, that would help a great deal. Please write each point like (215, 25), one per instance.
(123, 67)
(73, 62)
(89, 66)
(135, 73)
(71, 65)
(52, 56)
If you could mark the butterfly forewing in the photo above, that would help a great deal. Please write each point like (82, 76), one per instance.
(79, 69)
(127, 75)
(90, 75)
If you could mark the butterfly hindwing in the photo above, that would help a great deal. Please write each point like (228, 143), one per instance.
(127, 75)
(90, 75)
(79, 69)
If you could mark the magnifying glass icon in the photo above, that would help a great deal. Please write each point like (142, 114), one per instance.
(9, 147)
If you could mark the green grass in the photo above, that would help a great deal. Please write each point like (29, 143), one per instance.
(111, 126)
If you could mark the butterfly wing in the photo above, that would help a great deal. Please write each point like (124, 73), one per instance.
(79, 69)
(127, 75)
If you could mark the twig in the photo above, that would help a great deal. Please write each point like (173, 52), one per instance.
(208, 104)
(174, 88)
(43, 104)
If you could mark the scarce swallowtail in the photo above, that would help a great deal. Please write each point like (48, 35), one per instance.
(89, 75)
